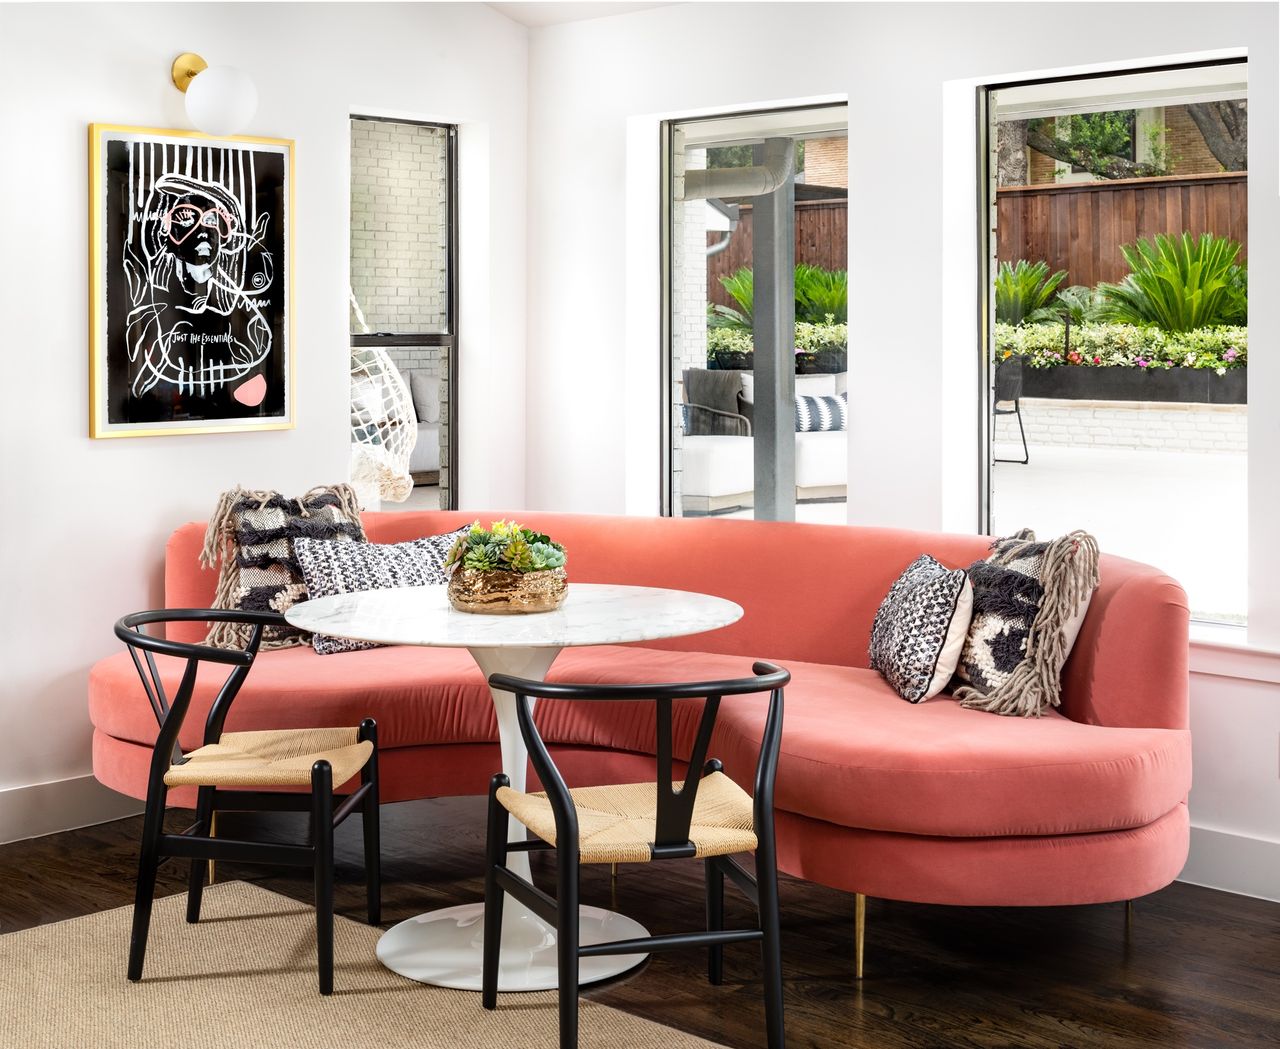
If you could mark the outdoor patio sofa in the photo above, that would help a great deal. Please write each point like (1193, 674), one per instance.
(930, 802)
(717, 455)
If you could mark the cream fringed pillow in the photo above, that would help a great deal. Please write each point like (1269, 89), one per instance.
(1029, 600)
(253, 533)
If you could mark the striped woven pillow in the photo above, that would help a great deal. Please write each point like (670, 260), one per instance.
(822, 413)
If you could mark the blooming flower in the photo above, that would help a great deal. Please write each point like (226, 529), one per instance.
(1231, 354)
(1142, 362)
(1074, 357)
(1221, 371)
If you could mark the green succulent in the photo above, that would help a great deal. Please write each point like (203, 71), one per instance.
(546, 556)
(477, 559)
(505, 546)
(517, 555)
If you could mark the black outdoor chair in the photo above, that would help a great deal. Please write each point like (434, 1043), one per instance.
(318, 758)
(707, 816)
(1009, 391)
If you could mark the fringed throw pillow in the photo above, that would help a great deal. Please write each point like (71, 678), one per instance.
(920, 628)
(1029, 600)
(252, 533)
(330, 567)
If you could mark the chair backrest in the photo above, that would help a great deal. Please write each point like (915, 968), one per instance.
(675, 805)
(171, 711)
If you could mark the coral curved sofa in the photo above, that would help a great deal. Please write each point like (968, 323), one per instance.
(929, 803)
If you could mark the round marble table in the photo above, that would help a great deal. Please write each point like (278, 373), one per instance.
(444, 947)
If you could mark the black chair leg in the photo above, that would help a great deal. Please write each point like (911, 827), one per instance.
(567, 940)
(369, 814)
(771, 945)
(495, 855)
(322, 842)
(195, 883)
(145, 892)
(715, 918)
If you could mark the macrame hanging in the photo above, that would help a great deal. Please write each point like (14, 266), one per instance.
(383, 426)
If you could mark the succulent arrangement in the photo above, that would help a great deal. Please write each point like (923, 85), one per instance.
(505, 546)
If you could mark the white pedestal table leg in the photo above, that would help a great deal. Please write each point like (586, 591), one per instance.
(445, 947)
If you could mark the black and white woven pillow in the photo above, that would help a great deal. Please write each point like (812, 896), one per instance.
(342, 568)
(920, 628)
(252, 533)
(814, 414)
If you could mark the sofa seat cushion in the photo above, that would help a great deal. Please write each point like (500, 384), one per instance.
(822, 459)
(854, 754)
(717, 466)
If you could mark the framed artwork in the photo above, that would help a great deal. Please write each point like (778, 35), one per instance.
(190, 283)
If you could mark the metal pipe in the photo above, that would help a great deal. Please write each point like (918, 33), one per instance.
(777, 165)
(720, 245)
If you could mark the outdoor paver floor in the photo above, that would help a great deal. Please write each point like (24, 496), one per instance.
(1185, 512)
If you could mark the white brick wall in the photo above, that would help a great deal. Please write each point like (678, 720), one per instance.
(399, 245)
(688, 301)
(1133, 425)
(399, 226)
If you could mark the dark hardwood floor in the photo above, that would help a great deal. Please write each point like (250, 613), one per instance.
(1198, 968)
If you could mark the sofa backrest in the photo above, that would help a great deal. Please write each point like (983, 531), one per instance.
(810, 593)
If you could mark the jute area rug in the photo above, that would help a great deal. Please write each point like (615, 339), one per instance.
(244, 978)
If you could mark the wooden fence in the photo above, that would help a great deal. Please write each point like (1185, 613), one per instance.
(822, 239)
(1077, 227)
(1080, 227)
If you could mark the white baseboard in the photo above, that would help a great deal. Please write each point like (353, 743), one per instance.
(46, 808)
(1234, 863)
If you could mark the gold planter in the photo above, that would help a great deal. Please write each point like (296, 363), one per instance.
(507, 593)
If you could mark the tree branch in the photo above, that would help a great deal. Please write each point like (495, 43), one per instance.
(1103, 165)
(1225, 127)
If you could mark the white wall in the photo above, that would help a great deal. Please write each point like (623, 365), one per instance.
(597, 91)
(85, 521)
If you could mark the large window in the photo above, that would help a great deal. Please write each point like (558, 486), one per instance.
(755, 260)
(403, 295)
(1118, 325)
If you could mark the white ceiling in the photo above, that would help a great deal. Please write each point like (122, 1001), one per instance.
(538, 13)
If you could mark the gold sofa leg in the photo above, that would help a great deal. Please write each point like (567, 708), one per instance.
(859, 932)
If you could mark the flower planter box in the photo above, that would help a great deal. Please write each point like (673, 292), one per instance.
(830, 361)
(1179, 385)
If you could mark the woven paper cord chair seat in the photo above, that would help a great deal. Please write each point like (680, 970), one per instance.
(618, 824)
(271, 759)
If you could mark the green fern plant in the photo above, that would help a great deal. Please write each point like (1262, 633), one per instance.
(1180, 283)
(821, 294)
(1079, 304)
(1024, 292)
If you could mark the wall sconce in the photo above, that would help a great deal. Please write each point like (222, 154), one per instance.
(221, 100)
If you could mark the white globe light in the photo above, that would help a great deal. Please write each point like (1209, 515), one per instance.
(221, 101)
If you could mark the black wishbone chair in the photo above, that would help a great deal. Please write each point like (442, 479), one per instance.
(708, 816)
(228, 762)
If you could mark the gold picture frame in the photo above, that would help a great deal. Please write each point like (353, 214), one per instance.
(190, 283)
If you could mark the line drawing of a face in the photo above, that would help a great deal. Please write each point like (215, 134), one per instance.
(196, 234)
(196, 322)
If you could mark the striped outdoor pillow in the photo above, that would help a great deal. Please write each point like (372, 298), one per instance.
(822, 413)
